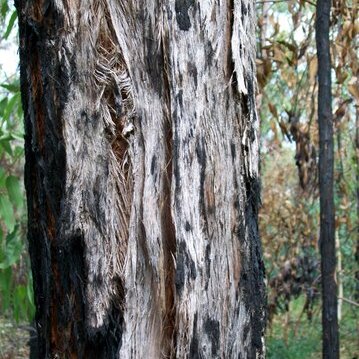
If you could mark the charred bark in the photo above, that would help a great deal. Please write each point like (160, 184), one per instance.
(142, 178)
(326, 185)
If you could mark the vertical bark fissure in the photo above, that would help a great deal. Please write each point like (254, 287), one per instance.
(117, 100)
(167, 220)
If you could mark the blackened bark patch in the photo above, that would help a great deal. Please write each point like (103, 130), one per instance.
(153, 165)
(211, 328)
(253, 190)
(180, 99)
(192, 70)
(202, 158)
(233, 151)
(180, 268)
(330, 335)
(208, 48)
(248, 103)
(246, 330)
(71, 308)
(43, 99)
(208, 265)
(105, 342)
(244, 12)
(182, 17)
(194, 349)
(192, 266)
(245, 106)
(251, 286)
(208, 260)
(185, 267)
(154, 62)
(188, 226)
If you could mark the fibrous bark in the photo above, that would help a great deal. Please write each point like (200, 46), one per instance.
(142, 177)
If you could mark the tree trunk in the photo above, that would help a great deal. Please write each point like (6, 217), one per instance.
(326, 185)
(357, 196)
(142, 178)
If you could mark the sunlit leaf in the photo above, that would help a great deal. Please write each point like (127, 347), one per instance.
(10, 24)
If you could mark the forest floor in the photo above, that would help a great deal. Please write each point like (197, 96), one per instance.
(14, 340)
(291, 335)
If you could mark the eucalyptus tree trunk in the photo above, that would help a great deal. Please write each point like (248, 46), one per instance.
(142, 178)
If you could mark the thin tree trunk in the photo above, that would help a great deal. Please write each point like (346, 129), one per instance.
(326, 185)
(142, 178)
(357, 195)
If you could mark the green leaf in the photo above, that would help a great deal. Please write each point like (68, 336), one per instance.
(7, 212)
(14, 191)
(4, 8)
(13, 249)
(10, 24)
(5, 143)
(18, 151)
(3, 104)
(14, 87)
(9, 109)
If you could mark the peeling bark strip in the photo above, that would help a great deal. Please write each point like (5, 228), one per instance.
(142, 178)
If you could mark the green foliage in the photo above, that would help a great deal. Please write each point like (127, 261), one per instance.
(289, 217)
(16, 297)
(292, 336)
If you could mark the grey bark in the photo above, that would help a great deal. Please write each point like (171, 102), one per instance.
(142, 178)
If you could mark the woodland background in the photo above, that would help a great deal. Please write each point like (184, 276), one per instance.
(289, 216)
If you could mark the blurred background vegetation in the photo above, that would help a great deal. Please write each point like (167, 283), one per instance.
(289, 217)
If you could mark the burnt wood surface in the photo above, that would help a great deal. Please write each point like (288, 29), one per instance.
(326, 185)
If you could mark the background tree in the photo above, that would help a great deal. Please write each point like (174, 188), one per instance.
(326, 184)
(141, 177)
